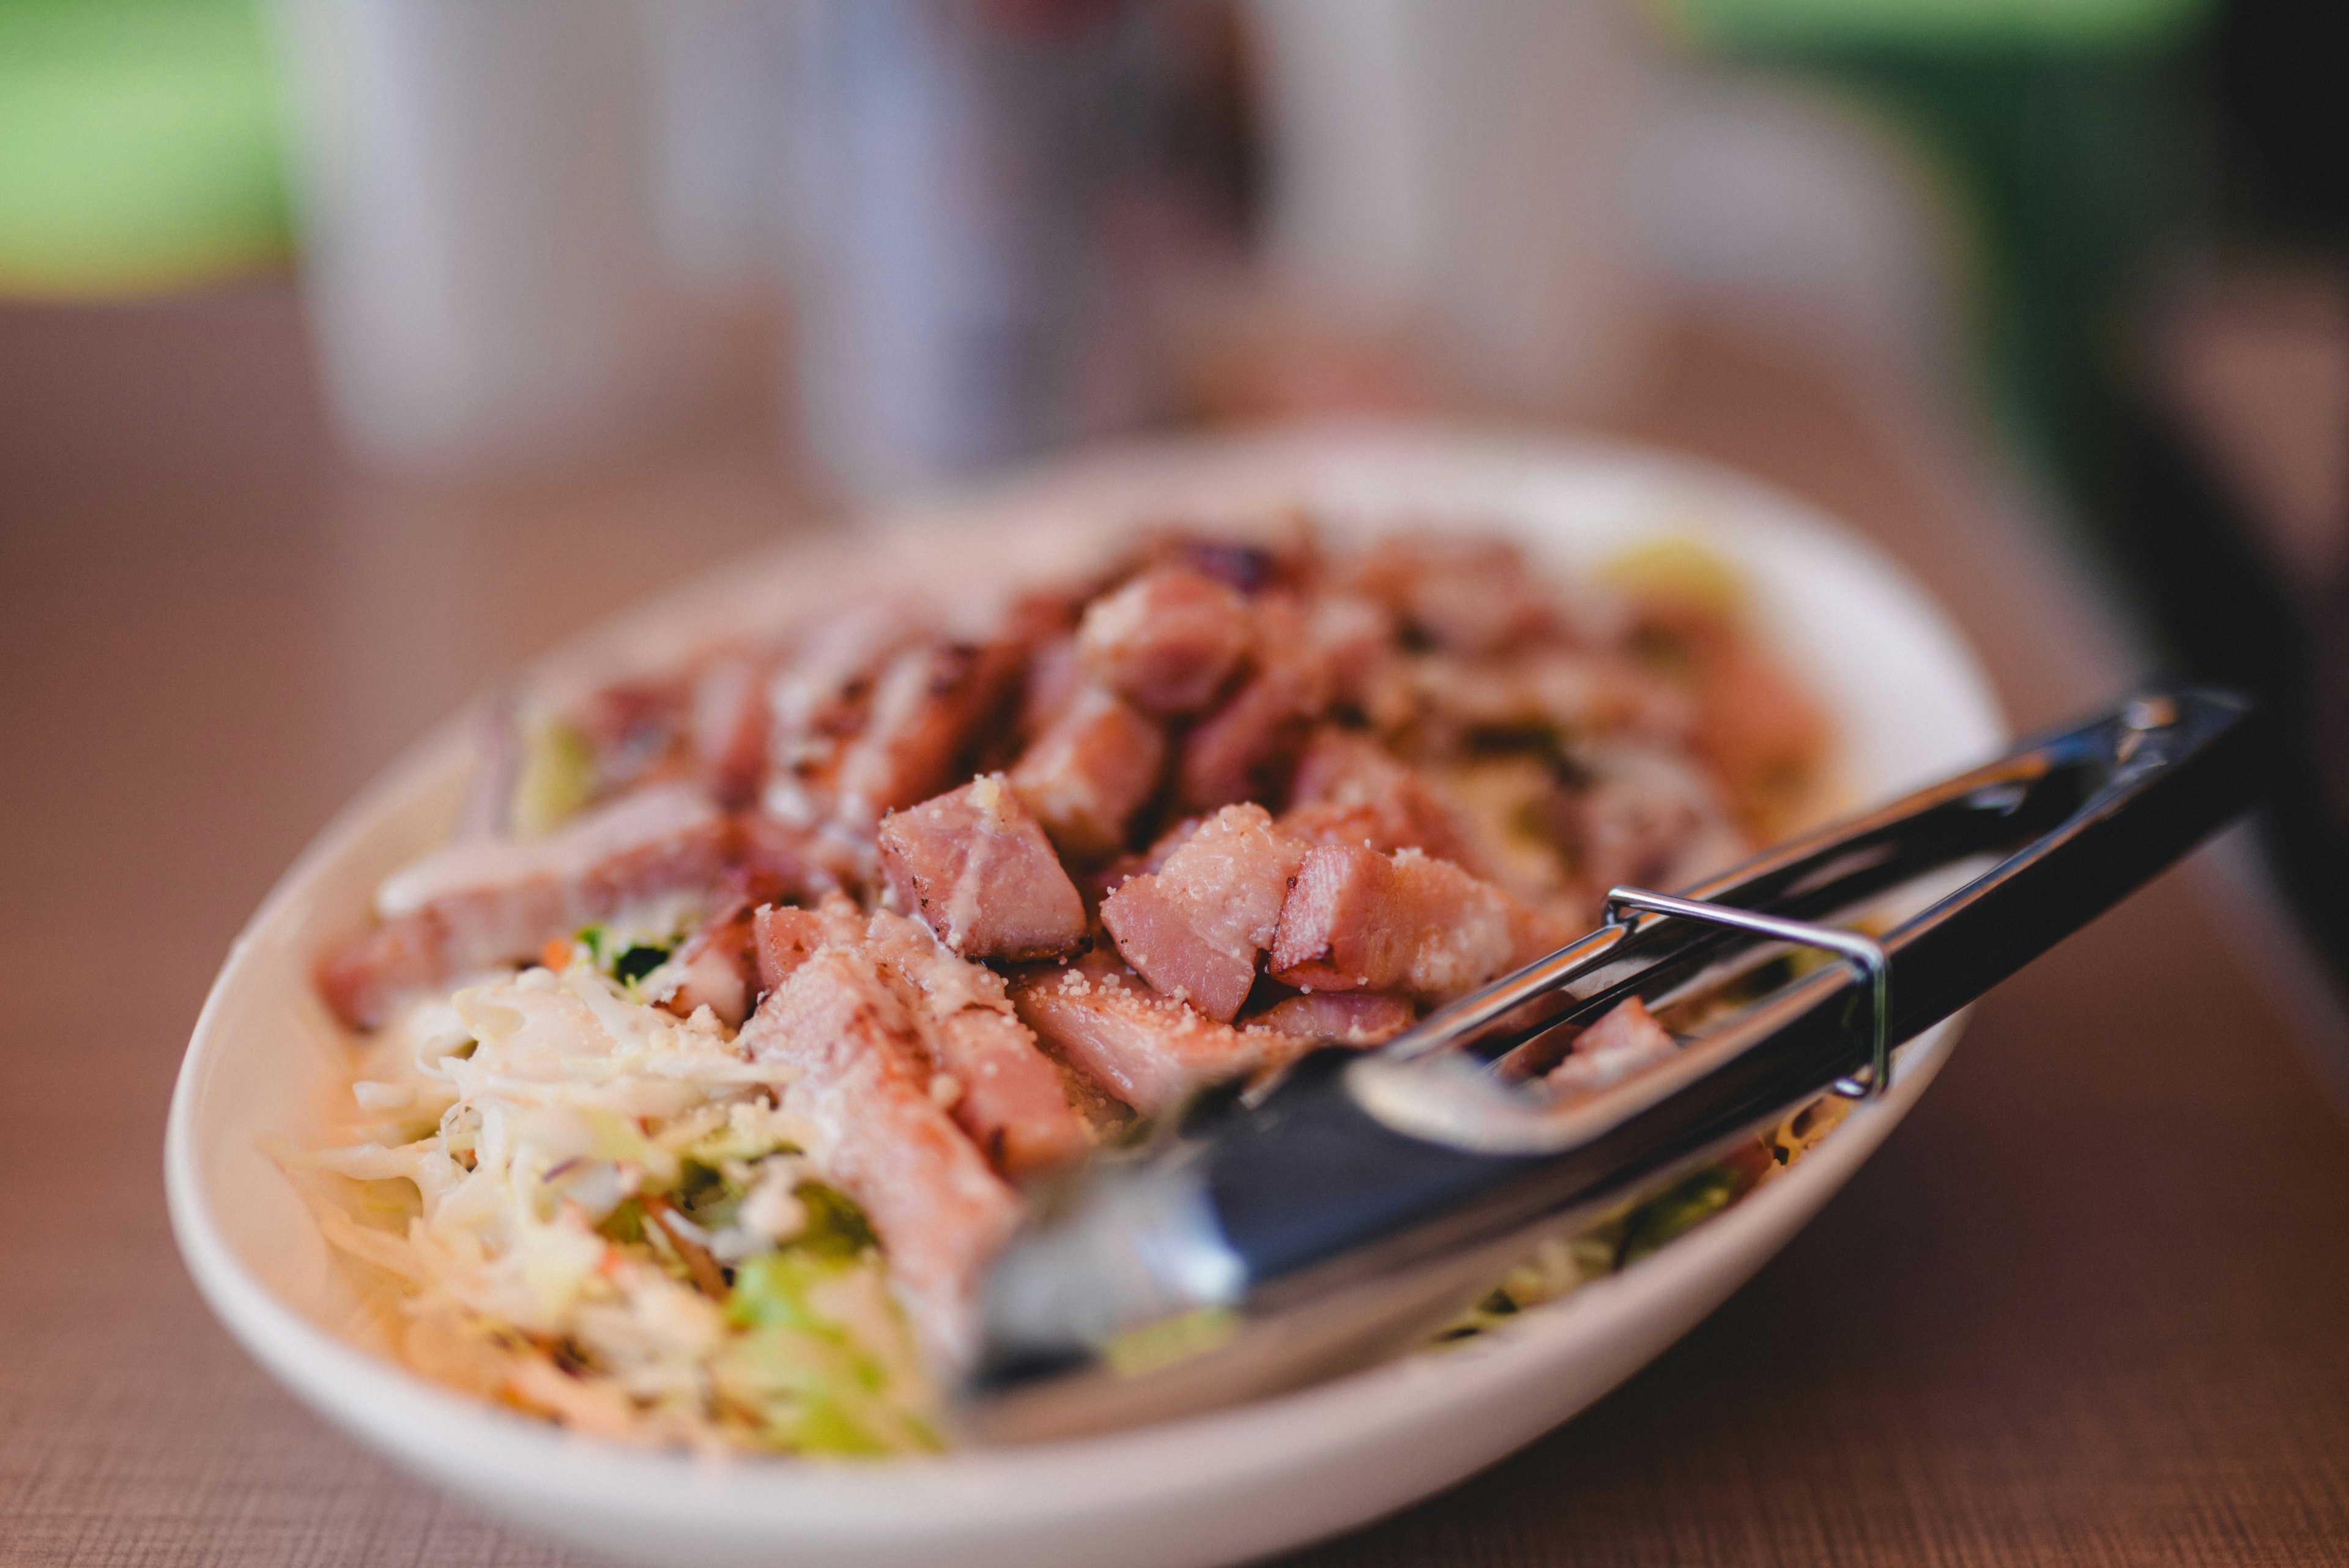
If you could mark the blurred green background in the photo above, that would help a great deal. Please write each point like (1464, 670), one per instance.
(139, 147)
(2070, 137)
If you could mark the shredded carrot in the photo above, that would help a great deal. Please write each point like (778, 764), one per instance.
(556, 955)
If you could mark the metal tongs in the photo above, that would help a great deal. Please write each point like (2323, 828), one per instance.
(1277, 1237)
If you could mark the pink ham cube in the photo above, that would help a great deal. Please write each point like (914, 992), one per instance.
(1196, 928)
(1340, 1017)
(1090, 771)
(975, 865)
(1360, 920)
(1130, 1042)
(1168, 641)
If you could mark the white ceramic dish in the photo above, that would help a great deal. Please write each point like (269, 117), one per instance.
(1911, 701)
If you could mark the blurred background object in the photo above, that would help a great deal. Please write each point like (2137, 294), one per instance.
(1464, 173)
(964, 184)
(986, 228)
(483, 242)
(2068, 138)
(139, 147)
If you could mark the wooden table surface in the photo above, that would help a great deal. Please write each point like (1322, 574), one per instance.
(2090, 1305)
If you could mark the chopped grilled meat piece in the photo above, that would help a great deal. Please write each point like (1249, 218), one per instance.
(1340, 1017)
(975, 863)
(823, 688)
(1056, 673)
(1133, 1044)
(728, 726)
(1087, 774)
(1472, 596)
(1299, 1024)
(633, 729)
(718, 966)
(1648, 818)
(1759, 731)
(819, 698)
(1360, 920)
(928, 704)
(501, 900)
(1168, 641)
(1245, 748)
(1196, 927)
(852, 1070)
(1627, 1040)
(365, 979)
(1350, 790)
(785, 860)
(1005, 1092)
(1542, 699)
(783, 938)
(1352, 636)
(1099, 882)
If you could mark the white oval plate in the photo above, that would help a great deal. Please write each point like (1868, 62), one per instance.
(1911, 702)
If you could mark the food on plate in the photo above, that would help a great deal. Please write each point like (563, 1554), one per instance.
(700, 1074)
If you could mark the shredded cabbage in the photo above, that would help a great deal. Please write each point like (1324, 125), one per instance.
(594, 1211)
